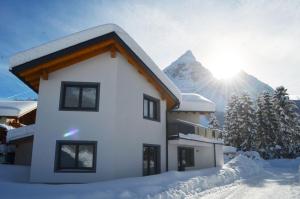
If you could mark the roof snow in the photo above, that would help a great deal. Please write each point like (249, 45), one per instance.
(16, 108)
(85, 35)
(7, 127)
(195, 102)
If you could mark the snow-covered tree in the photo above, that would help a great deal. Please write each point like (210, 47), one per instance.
(213, 122)
(247, 122)
(267, 126)
(288, 132)
(240, 123)
(231, 135)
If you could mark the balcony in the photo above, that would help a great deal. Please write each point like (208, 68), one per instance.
(20, 133)
(184, 127)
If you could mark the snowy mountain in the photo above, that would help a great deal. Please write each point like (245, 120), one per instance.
(191, 76)
(13, 88)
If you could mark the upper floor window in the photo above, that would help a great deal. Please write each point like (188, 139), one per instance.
(79, 96)
(151, 108)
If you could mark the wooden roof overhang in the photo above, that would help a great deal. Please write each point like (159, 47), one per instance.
(31, 72)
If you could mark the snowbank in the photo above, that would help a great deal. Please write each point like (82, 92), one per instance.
(238, 168)
(167, 185)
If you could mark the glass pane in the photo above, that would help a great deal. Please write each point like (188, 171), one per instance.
(145, 161)
(85, 156)
(88, 98)
(67, 156)
(145, 108)
(72, 97)
(152, 161)
(151, 109)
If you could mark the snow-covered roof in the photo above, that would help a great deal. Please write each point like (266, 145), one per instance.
(7, 127)
(16, 108)
(19, 133)
(82, 36)
(195, 102)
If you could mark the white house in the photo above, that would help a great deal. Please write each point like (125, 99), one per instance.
(103, 110)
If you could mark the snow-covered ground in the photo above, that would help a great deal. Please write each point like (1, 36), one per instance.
(280, 179)
(240, 177)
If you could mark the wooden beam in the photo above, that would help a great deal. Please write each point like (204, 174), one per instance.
(45, 75)
(32, 77)
(113, 52)
(66, 57)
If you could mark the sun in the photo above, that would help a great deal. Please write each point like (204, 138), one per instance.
(225, 63)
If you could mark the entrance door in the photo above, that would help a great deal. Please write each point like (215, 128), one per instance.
(151, 159)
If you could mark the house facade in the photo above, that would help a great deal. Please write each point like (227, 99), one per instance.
(102, 108)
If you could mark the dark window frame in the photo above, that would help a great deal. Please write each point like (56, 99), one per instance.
(158, 166)
(156, 103)
(76, 169)
(192, 158)
(81, 86)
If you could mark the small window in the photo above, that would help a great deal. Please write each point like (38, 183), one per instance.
(77, 156)
(186, 156)
(151, 108)
(79, 96)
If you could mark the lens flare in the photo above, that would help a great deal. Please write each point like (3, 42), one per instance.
(71, 132)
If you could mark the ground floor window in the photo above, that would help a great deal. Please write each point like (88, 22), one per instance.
(75, 156)
(151, 159)
(186, 157)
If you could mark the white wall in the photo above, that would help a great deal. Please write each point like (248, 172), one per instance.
(118, 127)
(219, 155)
(204, 156)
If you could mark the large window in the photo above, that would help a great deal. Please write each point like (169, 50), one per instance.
(151, 108)
(79, 96)
(186, 157)
(76, 156)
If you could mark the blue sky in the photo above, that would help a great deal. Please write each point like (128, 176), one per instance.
(260, 37)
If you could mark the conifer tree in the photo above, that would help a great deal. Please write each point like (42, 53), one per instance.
(247, 122)
(213, 122)
(267, 126)
(288, 131)
(231, 133)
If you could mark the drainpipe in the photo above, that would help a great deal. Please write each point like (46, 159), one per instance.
(167, 143)
(215, 155)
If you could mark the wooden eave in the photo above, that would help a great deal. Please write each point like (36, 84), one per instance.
(31, 72)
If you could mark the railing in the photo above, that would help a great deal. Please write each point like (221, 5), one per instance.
(185, 127)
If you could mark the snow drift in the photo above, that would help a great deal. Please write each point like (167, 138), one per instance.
(167, 185)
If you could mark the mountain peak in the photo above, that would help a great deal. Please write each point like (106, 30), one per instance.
(186, 58)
